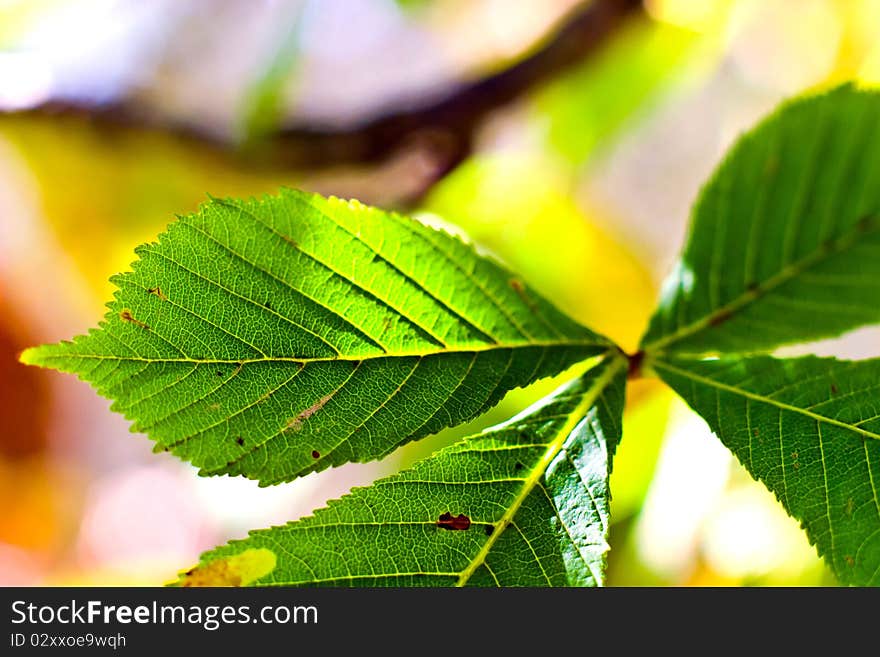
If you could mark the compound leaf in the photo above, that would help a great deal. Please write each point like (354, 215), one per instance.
(277, 337)
(784, 244)
(522, 504)
(808, 428)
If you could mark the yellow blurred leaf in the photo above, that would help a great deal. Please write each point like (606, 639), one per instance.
(647, 412)
(105, 190)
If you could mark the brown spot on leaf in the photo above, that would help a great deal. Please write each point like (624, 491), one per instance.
(849, 560)
(755, 432)
(517, 466)
(295, 424)
(454, 523)
(520, 289)
(126, 316)
(489, 529)
(752, 288)
(316, 454)
(158, 292)
(834, 389)
(240, 441)
(268, 305)
(216, 573)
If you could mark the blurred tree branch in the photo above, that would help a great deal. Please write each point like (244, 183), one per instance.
(441, 129)
(446, 125)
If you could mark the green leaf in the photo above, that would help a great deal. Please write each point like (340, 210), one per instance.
(522, 504)
(278, 337)
(784, 244)
(808, 428)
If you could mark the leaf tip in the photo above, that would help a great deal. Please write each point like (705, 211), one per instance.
(32, 356)
(27, 356)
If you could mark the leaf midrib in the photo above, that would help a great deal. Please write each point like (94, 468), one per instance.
(574, 418)
(789, 272)
(32, 356)
(659, 364)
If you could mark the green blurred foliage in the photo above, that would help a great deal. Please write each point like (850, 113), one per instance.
(583, 110)
(266, 100)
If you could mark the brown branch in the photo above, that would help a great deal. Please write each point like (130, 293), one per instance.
(447, 126)
(442, 128)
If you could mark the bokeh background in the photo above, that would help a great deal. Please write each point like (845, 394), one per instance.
(566, 138)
